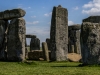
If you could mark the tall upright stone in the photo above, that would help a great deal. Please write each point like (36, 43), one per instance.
(3, 27)
(45, 51)
(59, 34)
(34, 44)
(90, 39)
(48, 43)
(16, 40)
(74, 38)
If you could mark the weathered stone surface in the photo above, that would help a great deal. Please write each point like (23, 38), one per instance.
(74, 27)
(73, 57)
(45, 51)
(16, 40)
(10, 14)
(48, 43)
(34, 44)
(35, 55)
(90, 39)
(59, 34)
(3, 27)
(93, 19)
(30, 36)
(74, 38)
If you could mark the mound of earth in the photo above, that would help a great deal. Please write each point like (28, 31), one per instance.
(74, 57)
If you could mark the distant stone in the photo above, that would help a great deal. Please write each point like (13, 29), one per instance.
(48, 43)
(16, 40)
(10, 14)
(90, 43)
(30, 36)
(34, 44)
(45, 51)
(73, 57)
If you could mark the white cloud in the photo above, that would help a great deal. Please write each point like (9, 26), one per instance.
(70, 23)
(33, 16)
(48, 14)
(34, 22)
(76, 8)
(92, 8)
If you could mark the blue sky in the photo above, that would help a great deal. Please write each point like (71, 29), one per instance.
(38, 13)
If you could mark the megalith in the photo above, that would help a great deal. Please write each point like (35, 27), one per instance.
(74, 39)
(45, 51)
(34, 44)
(3, 27)
(59, 34)
(90, 42)
(48, 43)
(16, 40)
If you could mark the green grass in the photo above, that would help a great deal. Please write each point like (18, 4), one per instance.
(46, 68)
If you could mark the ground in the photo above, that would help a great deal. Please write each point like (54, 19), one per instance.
(47, 68)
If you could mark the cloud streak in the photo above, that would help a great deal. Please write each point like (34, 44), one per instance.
(34, 22)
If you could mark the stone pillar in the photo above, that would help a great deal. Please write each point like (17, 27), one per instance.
(45, 51)
(3, 41)
(72, 48)
(34, 44)
(90, 39)
(48, 43)
(59, 34)
(16, 40)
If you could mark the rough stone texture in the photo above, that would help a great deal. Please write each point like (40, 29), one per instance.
(45, 51)
(74, 38)
(10, 14)
(48, 43)
(30, 36)
(59, 34)
(3, 27)
(16, 40)
(34, 44)
(93, 19)
(90, 39)
(35, 55)
(73, 57)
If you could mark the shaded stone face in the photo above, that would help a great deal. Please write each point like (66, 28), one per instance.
(59, 34)
(10, 14)
(30, 36)
(74, 38)
(16, 40)
(34, 44)
(3, 26)
(90, 37)
(48, 43)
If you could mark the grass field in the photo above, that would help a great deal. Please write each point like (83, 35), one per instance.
(46, 68)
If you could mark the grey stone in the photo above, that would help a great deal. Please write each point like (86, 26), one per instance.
(3, 27)
(93, 19)
(74, 38)
(10, 14)
(30, 36)
(90, 43)
(48, 43)
(34, 44)
(59, 34)
(16, 40)
(45, 51)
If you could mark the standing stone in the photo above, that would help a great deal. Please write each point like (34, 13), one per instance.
(90, 39)
(59, 34)
(35, 44)
(45, 51)
(16, 40)
(74, 38)
(48, 43)
(3, 27)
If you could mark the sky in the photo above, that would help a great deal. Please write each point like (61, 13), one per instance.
(38, 13)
